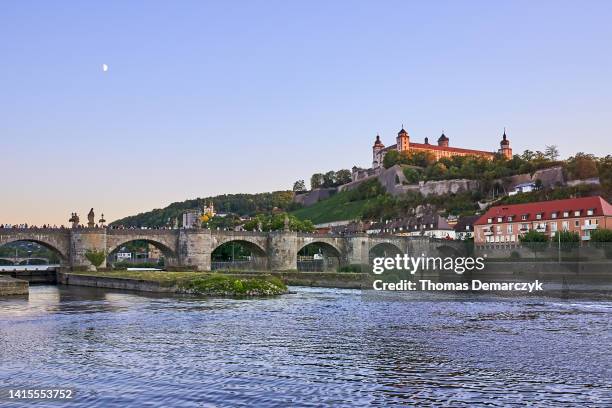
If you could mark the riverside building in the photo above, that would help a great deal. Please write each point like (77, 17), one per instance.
(505, 223)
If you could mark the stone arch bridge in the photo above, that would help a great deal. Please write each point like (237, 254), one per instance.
(193, 248)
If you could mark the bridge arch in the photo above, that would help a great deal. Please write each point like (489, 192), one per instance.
(160, 245)
(384, 249)
(169, 254)
(238, 253)
(446, 250)
(318, 256)
(56, 248)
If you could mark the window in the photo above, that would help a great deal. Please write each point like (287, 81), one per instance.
(510, 228)
(430, 225)
(467, 227)
(577, 223)
(498, 229)
(577, 213)
(538, 216)
(489, 220)
(509, 218)
(524, 217)
(500, 219)
(565, 226)
(553, 215)
(565, 214)
(553, 226)
(590, 211)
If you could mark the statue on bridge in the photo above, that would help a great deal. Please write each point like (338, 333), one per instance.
(90, 219)
(74, 219)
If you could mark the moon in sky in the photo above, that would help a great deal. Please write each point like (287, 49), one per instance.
(104, 67)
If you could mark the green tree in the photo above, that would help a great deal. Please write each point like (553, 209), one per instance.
(551, 152)
(343, 176)
(528, 155)
(604, 168)
(96, 257)
(316, 181)
(533, 236)
(412, 175)
(582, 166)
(391, 159)
(329, 179)
(601, 235)
(299, 186)
(276, 222)
(566, 236)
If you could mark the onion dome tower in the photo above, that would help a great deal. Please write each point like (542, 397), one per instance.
(378, 146)
(505, 149)
(443, 140)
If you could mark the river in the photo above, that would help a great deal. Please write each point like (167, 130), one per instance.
(315, 347)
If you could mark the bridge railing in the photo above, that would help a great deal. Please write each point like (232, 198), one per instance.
(239, 233)
(23, 230)
(127, 231)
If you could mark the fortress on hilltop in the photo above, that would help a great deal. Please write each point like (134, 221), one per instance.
(442, 149)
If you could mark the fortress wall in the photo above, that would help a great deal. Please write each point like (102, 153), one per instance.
(314, 196)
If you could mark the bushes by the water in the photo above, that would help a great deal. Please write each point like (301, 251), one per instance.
(125, 265)
(96, 257)
(350, 268)
(222, 285)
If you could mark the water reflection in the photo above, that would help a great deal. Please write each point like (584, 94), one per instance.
(316, 347)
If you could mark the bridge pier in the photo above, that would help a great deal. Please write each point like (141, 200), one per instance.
(194, 249)
(83, 241)
(282, 251)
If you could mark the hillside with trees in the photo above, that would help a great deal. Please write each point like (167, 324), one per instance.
(236, 204)
(370, 201)
(351, 205)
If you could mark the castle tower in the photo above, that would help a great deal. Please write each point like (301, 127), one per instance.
(443, 140)
(403, 140)
(378, 146)
(505, 149)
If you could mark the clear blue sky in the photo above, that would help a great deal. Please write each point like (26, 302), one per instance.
(203, 98)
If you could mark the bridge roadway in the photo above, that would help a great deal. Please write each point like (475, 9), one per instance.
(192, 248)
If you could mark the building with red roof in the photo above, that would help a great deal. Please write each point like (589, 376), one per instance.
(505, 223)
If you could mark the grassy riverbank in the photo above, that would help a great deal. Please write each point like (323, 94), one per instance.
(201, 283)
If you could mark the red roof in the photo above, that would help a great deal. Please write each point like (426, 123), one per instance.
(423, 146)
(449, 149)
(546, 208)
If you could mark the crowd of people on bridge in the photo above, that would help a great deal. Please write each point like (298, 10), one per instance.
(54, 226)
(27, 226)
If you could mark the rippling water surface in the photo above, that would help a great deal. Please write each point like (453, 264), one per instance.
(312, 348)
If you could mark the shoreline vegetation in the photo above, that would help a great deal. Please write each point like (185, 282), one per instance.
(198, 283)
